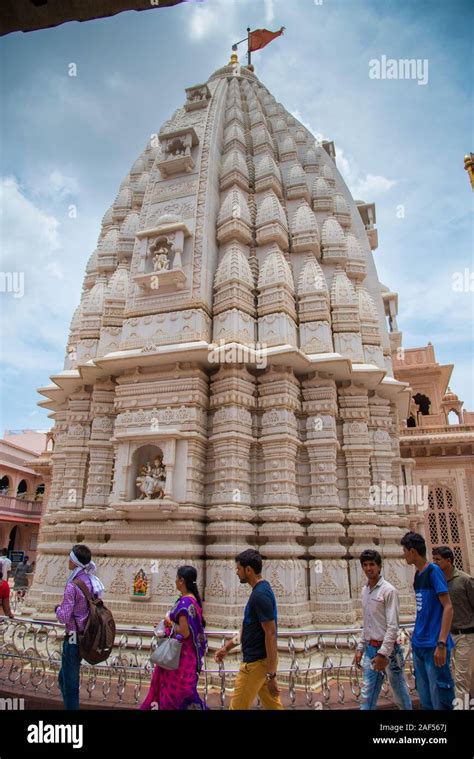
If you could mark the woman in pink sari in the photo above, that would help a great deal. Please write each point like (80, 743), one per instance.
(176, 689)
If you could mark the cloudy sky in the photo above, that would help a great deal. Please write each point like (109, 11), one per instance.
(69, 141)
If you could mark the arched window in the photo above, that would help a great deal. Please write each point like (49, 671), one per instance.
(12, 538)
(22, 489)
(423, 402)
(443, 526)
(39, 492)
(453, 417)
(4, 485)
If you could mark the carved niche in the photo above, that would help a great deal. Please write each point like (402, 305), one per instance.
(197, 97)
(161, 248)
(177, 151)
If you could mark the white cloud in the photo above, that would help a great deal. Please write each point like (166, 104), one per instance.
(33, 249)
(27, 232)
(362, 186)
(372, 185)
(218, 16)
(204, 22)
(269, 11)
(53, 185)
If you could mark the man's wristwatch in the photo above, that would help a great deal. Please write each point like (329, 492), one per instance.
(270, 676)
(442, 643)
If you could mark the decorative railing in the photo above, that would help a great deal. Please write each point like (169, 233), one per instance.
(316, 667)
(20, 506)
(444, 429)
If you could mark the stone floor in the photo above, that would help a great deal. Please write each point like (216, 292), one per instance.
(41, 700)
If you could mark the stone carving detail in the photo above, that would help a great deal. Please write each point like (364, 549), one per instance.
(229, 322)
(177, 151)
(160, 252)
(197, 97)
(151, 480)
(119, 585)
(166, 415)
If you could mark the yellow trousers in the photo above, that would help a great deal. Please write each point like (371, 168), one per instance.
(250, 683)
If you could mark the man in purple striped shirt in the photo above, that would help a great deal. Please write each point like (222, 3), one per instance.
(73, 612)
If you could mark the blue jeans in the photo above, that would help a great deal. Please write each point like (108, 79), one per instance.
(434, 684)
(69, 675)
(373, 680)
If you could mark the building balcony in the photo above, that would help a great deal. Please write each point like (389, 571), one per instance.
(12, 508)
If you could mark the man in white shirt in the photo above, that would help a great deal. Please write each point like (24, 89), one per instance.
(5, 563)
(378, 641)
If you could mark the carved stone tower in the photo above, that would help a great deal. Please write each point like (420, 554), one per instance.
(232, 330)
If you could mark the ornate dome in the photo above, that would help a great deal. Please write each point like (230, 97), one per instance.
(288, 149)
(304, 220)
(275, 271)
(312, 279)
(234, 136)
(234, 169)
(234, 206)
(449, 396)
(138, 167)
(109, 242)
(271, 210)
(296, 175)
(234, 267)
(94, 302)
(92, 264)
(342, 291)
(341, 209)
(108, 218)
(332, 234)
(118, 285)
(310, 160)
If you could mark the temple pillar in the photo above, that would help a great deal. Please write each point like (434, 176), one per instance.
(99, 478)
(229, 513)
(329, 579)
(279, 513)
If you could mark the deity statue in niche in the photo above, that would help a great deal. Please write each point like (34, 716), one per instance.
(161, 251)
(176, 147)
(196, 95)
(140, 583)
(151, 479)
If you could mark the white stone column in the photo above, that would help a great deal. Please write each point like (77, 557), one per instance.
(99, 478)
(279, 508)
(329, 578)
(230, 514)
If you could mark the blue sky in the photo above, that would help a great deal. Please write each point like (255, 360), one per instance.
(71, 140)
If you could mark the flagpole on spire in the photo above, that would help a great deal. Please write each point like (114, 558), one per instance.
(249, 61)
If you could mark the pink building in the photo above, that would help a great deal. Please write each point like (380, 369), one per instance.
(437, 443)
(22, 489)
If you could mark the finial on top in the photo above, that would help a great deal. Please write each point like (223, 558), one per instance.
(234, 58)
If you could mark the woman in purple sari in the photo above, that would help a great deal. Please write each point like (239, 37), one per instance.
(173, 689)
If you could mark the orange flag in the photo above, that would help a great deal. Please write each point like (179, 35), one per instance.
(261, 37)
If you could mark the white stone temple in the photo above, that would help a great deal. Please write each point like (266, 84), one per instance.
(228, 380)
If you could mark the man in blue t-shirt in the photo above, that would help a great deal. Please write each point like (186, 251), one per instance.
(431, 642)
(257, 673)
